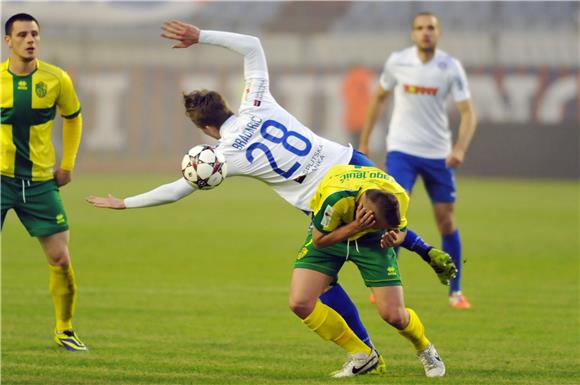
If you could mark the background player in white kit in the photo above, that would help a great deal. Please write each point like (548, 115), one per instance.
(266, 142)
(419, 139)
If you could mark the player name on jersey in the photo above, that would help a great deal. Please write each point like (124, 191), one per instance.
(243, 139)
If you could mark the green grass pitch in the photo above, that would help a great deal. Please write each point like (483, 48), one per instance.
(196, 292)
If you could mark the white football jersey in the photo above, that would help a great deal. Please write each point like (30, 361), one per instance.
(266, 142)
(419, 124)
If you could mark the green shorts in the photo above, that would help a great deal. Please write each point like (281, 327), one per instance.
(377, 266)
(37, 204)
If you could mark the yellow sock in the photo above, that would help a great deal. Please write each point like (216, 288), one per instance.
(415, 331)
(63, 288)
(329, 325)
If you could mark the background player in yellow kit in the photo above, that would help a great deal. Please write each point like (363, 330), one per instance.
(359, 215)
(32, 90)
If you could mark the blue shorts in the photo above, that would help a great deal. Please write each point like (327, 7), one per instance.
(360, 159)
(438, 178)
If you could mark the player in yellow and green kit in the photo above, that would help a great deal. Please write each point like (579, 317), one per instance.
(359, 215)
(32, 92)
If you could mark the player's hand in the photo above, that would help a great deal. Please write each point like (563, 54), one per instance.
(390, 238)
(455, 159)
(364, 218)
(109, 202)
(62, 177)
(185, 34)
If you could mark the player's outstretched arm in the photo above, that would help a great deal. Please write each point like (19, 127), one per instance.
(185, 34)
(109, 202)
(162, 195)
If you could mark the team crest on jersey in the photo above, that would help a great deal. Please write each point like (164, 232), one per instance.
(41, 89)
(442, 65)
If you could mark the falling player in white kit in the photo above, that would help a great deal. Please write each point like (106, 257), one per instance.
(419, 139)
(263, 141)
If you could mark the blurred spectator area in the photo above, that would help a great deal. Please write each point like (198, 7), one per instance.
(318, 33)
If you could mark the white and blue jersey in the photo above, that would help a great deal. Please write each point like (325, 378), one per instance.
(419, 139)
(419, 124)
(266, 142)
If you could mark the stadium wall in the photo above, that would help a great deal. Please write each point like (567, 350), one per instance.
(135, 118)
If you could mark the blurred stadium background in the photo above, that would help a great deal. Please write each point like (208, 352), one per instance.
(521, 59)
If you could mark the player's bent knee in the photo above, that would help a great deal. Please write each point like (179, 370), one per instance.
(61, 258)
(395, 317)
(302, 308)
(56, 248)
(447, 229)
(446, 223)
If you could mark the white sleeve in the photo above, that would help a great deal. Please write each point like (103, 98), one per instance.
(459, 85)
(167, 193)
(387, 79)
(254, 59)
(257, 88)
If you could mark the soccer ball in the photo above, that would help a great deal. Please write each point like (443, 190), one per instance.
(204, 167)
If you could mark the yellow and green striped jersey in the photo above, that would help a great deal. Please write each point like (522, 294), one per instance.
(29, 106)
(334, 203)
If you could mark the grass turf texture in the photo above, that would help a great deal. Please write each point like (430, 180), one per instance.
(196, 292)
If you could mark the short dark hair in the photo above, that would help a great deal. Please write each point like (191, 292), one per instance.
(423, 14)
(18, 17)
(206, 108)
(386, 206)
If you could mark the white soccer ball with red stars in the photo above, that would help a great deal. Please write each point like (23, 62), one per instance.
(204, 166)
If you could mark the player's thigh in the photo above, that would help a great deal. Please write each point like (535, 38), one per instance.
(403, 168)
(55, 247)
(389, 296)
(439, 180)
(390, 304)
(377, 266)
(9, 195)
(322, 265)
(42, 211)
(307, 285)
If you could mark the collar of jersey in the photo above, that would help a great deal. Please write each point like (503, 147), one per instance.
(6, 65)
(228, 124)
